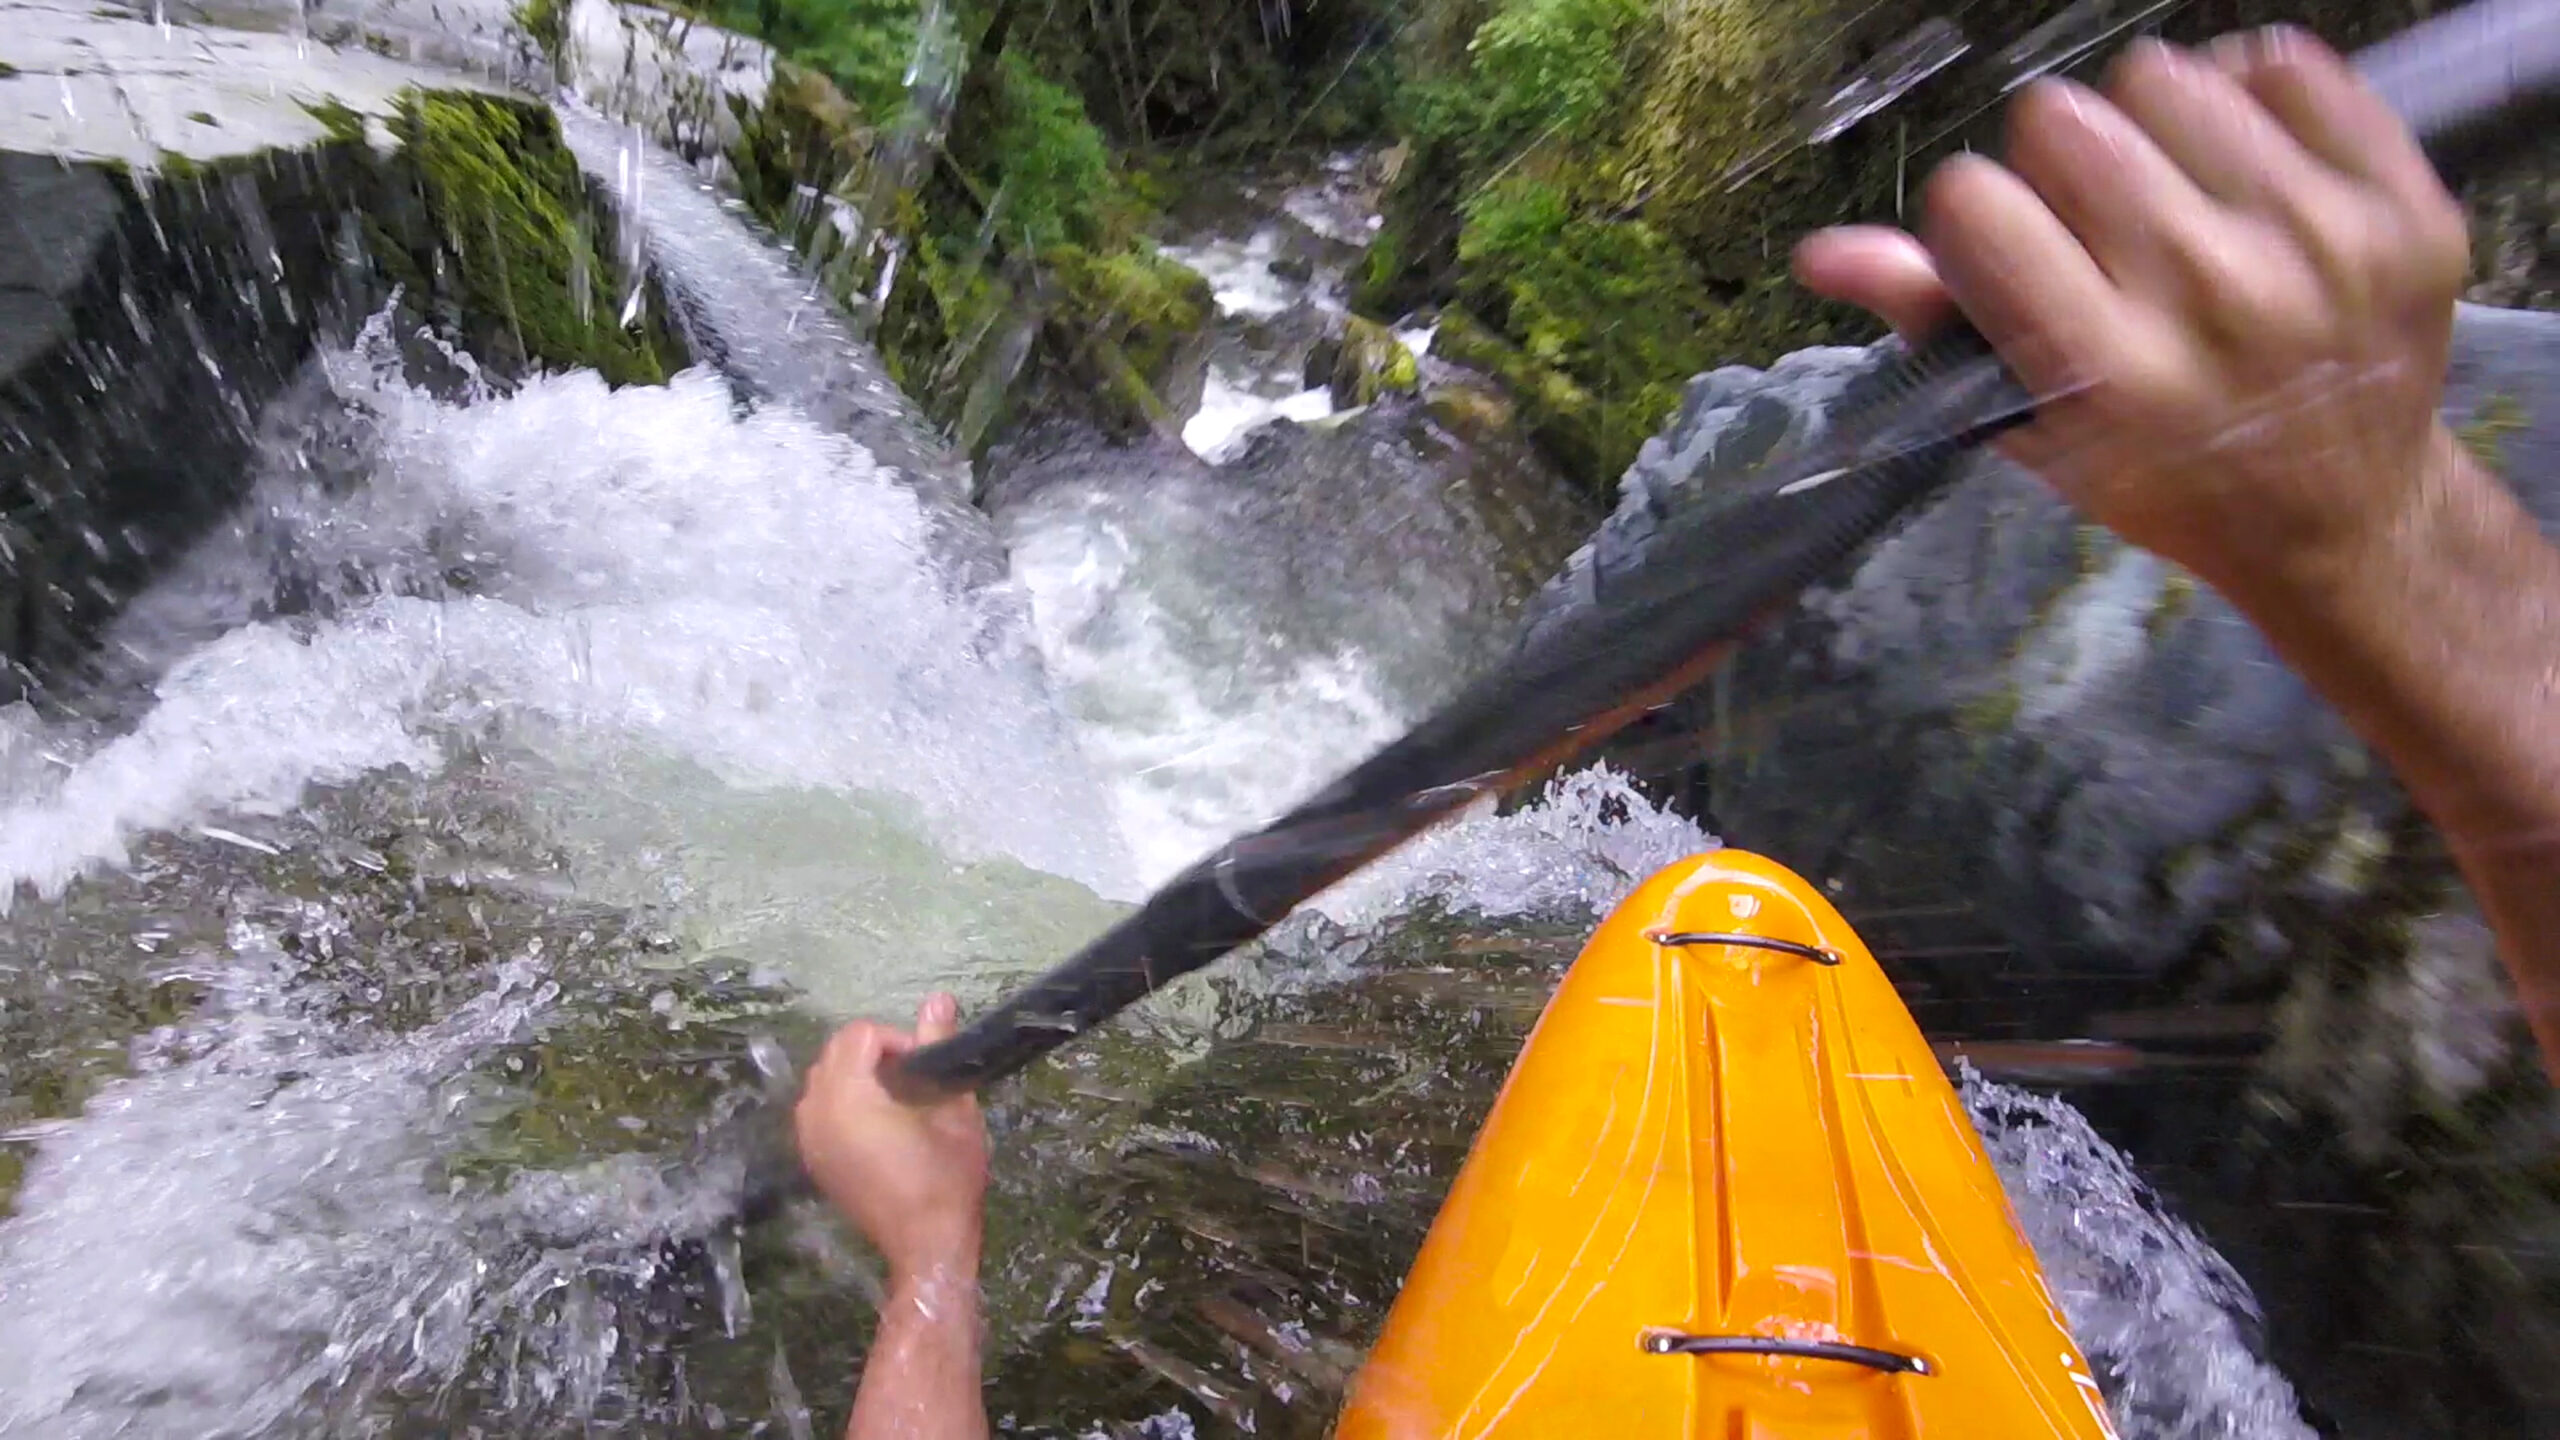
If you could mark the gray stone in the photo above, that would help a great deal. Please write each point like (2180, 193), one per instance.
(187, 211)
(92, 83)
(681, 81)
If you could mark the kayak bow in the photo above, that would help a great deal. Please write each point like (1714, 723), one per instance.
(1727, 1191)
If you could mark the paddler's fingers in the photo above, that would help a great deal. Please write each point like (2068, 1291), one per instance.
(1883, 271)
(2221, 136)
(2330, 110)
(854, 1049)
(2022, 277)
(2416, 235)
(938, 1018)
(2129, 205)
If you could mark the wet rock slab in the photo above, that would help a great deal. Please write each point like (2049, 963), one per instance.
(94, 84)
(186, 211)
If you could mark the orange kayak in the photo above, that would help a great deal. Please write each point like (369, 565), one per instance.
(1728, 1192)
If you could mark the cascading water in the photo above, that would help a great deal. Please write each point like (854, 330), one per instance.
(392, 934)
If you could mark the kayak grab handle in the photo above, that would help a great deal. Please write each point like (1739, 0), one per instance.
(1801, 951)
(1656, 627)
(1891, 1362)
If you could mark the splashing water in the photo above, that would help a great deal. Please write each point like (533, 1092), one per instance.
(605, 585)
(1587, 844)
(1202, 740)
(2163, 1318)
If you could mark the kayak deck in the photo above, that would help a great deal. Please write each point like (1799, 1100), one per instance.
(1726, 1192)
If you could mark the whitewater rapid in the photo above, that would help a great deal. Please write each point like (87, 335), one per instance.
(700, 660)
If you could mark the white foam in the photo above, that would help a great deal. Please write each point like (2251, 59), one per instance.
(1233, 406)
(2159, 1314)
(1584, 845)
(749, 594)
(1194, 752)
(1239, 273)
(252, 1229)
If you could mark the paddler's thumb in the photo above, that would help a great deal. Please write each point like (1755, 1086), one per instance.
(938, 1018)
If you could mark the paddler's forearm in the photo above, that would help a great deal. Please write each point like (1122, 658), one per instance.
(2438, 638)
(921, 1379)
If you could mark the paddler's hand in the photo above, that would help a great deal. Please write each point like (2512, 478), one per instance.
(2233, 273)
(912, 1179)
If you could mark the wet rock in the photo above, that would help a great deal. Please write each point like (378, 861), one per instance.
(1132, 327)
(2067, 779)
(1362, 364)
(193, 210)
(478, 37)
(688, 85)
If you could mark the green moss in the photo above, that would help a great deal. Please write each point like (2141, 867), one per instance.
(505, 205)
(1123, 319)
(2485, 434)
(1562, 415)
(342, 122)
(172, 165)
(1054, 181)
(2090, 546)
(806, 130)
(202, 118)
(2177, 596)
(1614, 186)
(547, 21)
(7, 69)
(1991, 713)
(1536, 68)
(1608, 304)
(1371, 364)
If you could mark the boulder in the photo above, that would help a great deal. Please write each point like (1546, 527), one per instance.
(193, 209)
(2067, 791)
(1362, 364)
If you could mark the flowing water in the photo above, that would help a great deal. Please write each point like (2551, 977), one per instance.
(407, 933)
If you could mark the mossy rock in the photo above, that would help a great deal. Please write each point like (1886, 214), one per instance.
(805, 134)
(1561, 415)
(1130, 325)
(490, 226)
(1363, 365)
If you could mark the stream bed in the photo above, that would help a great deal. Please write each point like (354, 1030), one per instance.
(409, 928)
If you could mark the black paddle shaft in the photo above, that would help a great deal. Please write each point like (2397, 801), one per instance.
(1657, 627)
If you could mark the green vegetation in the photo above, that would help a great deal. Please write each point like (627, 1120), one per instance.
(1608, 189)
(862, 46)
(1038, 197)
(503, 220)
(547, 21)
(1123, 318)
(1991, 713)
(2177, 597)
(1368, 364)
(1609, 304)
(2485, 434)
(1612, 187)
(342, 122)
(1027, 205)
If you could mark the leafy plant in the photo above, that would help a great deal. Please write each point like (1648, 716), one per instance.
(864, 46)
